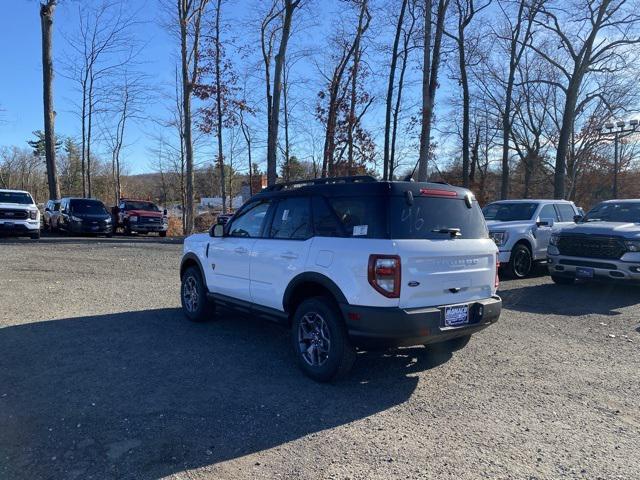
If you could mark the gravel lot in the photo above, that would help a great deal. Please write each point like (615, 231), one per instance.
(101, 377)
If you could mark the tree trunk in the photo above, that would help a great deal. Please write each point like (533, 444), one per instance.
(189, 210)
(46, 21)
(89, 128)
(568, 116)
(465, 107)
(431, 63)
(386, 168)
(219, 109)
(272, 138)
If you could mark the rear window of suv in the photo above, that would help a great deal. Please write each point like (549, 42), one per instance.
(431, 218)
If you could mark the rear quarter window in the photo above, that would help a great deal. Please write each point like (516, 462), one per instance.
(428, 215)
(360, 217)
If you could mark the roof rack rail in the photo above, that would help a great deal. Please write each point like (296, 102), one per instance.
(320, 181)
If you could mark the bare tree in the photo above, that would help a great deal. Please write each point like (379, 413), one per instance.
(390, 88)
(46, 21)
(430, 66)
(190, 14)
(273, 107)
(594, 37)
(466, 10)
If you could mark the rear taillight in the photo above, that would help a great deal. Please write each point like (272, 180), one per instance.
(384, 274)
(497, 282)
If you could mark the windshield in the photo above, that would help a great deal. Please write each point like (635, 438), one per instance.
(509, 212)
(623, 212)
(89, 207)
(436, 218)
(16, 197)
(146, 206)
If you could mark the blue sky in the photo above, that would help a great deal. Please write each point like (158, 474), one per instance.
(21, 88)
(21, 78)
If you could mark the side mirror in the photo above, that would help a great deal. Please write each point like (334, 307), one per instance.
(165, 212)
(577, 218)
(217, 230)
(545, 222)
(47, 209)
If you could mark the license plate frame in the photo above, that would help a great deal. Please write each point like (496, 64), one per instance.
(456, 315)
(585, 273)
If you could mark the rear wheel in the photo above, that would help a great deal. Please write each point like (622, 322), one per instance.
(320, 340)
(193, 295)
(520, 263)
(562, 280)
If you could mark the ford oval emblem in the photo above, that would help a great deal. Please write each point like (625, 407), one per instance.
(413, 283)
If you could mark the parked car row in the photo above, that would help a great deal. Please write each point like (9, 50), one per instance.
(19, 215)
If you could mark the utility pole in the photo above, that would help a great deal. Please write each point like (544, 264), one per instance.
(617, 131)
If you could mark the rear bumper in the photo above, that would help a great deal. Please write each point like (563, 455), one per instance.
(606, 269)
(393, 327)
(19, 227)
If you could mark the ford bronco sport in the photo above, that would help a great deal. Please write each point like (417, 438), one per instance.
(350, 262)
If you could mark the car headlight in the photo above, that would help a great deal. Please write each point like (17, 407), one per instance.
(133, 218)
(632, 245)
(75, 219)
(554, 239)
(500, 238)
(33, 214)
(107, 220)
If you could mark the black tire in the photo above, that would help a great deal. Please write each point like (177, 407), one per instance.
(127, 229)
(520, 263)
(320, 340)
(558, 280)
(193, 290)
(35, 236)
(109, 235)
(452, 345)
(162, 234)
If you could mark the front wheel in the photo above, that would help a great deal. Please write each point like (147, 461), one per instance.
(521, 262)
(163, 234)
(193, 295)
(558, 280)
(320, 340)
(35, 236)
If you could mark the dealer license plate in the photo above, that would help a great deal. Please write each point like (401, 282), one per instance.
(584, 272)
(456, 315)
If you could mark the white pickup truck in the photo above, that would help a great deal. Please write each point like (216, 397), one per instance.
(522, 230)
(19, 214)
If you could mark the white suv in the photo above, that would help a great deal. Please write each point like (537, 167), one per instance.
(350, 262)
(522, 229)
(19, 214)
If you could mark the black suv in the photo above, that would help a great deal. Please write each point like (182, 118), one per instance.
(84, 215)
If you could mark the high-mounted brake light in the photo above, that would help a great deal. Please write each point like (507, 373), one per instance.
(384, 274)
(436, 192)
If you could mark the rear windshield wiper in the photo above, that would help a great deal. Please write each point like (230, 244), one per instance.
(454, 232)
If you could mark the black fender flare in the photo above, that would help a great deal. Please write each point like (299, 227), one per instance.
(312, 277)
(189, 258)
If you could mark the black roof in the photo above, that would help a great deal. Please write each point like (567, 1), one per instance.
(354, 186)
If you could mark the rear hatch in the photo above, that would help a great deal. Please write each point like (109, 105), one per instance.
(445, 251)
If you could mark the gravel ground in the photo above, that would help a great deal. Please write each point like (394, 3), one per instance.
(101, 377)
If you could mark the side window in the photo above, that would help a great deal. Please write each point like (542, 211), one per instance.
(566, 212)
(248, 223)
(548, 211)
(292, 219)
(325, 222)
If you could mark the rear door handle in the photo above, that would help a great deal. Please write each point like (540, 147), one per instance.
(241, 250)
(289, 255)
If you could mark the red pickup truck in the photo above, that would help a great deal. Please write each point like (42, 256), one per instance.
(139, 216)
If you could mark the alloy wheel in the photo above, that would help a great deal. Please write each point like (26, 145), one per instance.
(314, 339)
(190, 294)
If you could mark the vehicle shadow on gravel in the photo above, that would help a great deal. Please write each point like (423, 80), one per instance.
(571, 300)
(147, 394)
